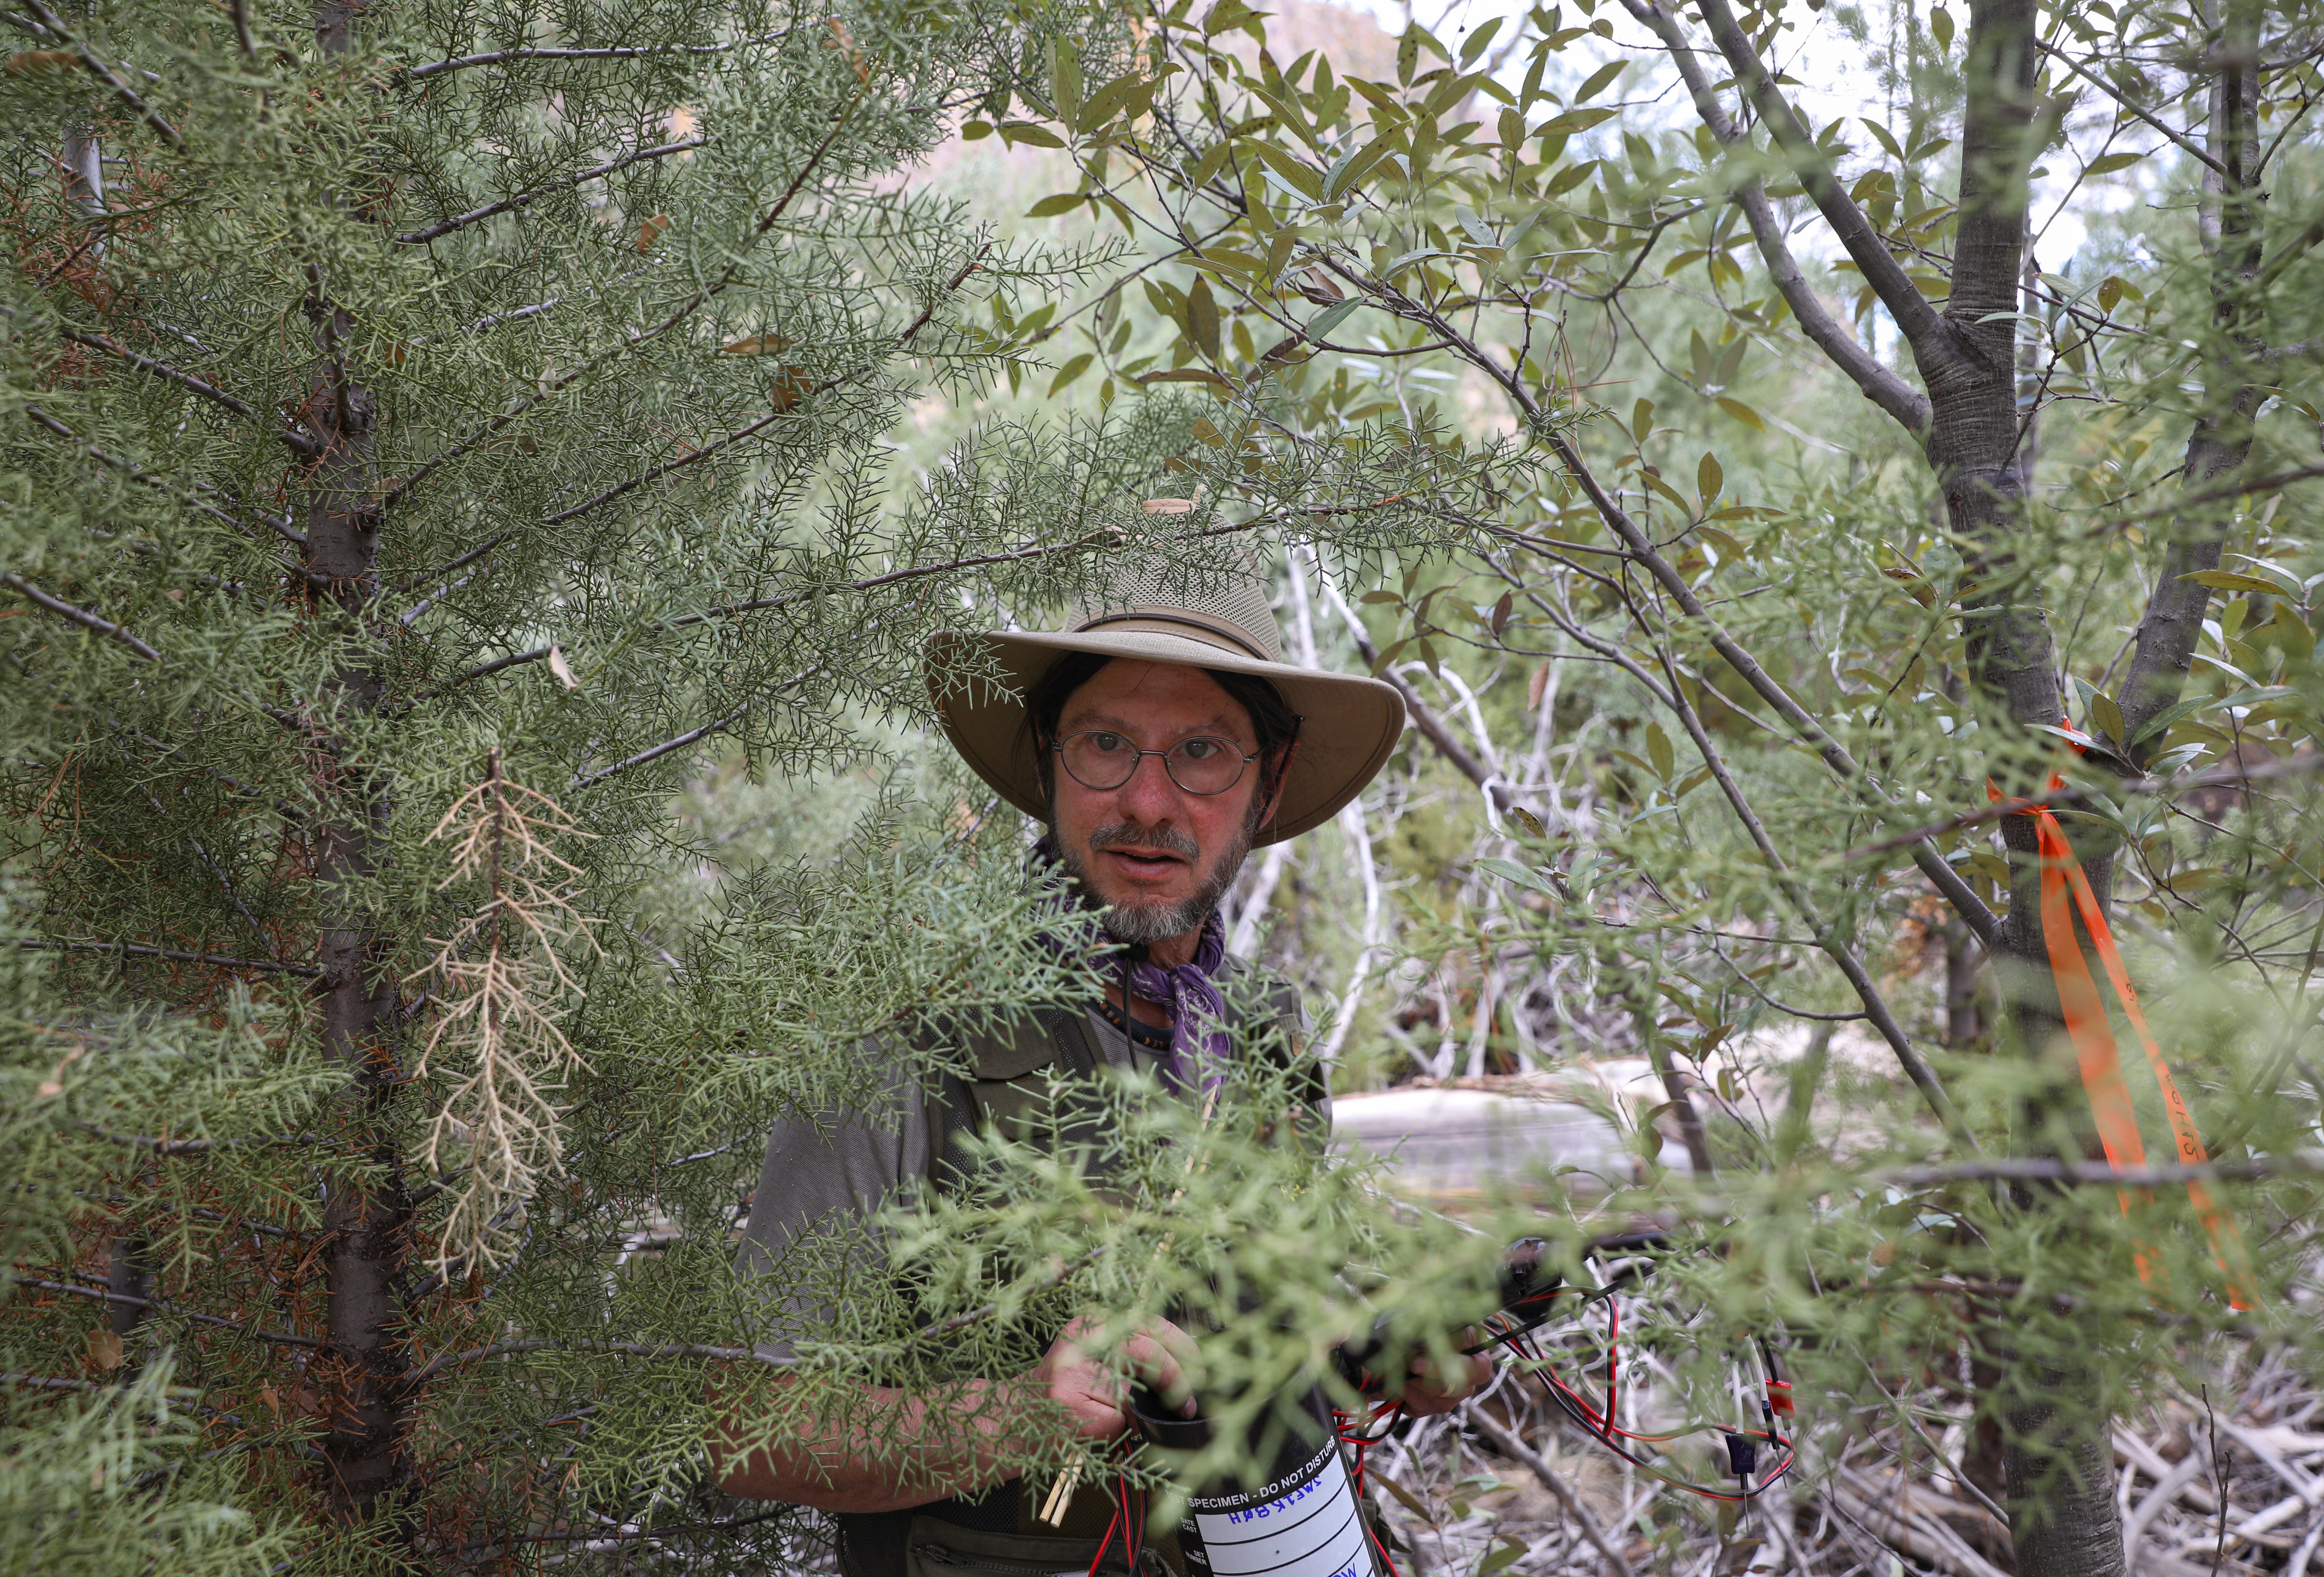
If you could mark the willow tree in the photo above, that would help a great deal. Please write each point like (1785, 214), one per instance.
(1819, 668)
(429, 431)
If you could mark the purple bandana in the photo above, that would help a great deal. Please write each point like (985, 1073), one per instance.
(1200, 1047)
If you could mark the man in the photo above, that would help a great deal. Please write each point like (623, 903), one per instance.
(1158, 737)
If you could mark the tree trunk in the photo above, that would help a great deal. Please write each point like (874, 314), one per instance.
(367, 1215)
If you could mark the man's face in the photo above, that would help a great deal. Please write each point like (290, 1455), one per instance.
(1155, 856)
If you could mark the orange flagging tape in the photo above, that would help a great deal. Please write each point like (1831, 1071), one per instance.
(2092, 1033)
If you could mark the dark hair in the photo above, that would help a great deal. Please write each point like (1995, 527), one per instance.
(1272, 720)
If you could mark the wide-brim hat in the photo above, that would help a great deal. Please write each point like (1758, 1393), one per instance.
(979, 680)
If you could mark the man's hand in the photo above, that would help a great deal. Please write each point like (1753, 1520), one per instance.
(1426, 1393)
(1160, 1354)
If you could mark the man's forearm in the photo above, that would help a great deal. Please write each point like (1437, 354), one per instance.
(893, 1450)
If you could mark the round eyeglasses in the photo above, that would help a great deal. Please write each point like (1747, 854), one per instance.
(1104, 760)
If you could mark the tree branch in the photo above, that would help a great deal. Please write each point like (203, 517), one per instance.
(676, 316)
(666, 747)
(80, 615)
(443, 1362)
(164, 1306)
(564, 183)
(2184, 142)
(163, 369)
(2223, 776)
(1867, 991)
(161, 483)
(197, 1146)
(105, 74)
(717, 445)
(2163, 648)
(2258, 1169)
(1879, 383)
(503, 57)
(139, 950)
(1641, 550)
(1424, 718)
(1916, 319)
(1506, 1442)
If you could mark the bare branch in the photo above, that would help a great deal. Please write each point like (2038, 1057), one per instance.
(564, 183)
(80, 615)
(2185, 145)
(1880, 384)
(1918, 320)
(1508, 1444)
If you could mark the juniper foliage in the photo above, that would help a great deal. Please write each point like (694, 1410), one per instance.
(430, 429)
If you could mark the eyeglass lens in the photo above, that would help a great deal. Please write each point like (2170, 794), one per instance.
(1200, 766)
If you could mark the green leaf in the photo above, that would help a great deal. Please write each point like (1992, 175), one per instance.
(1508, 870)
(1069, 371)
(1642, 420)
(2233, 581)
(2171, 717)
(2105, 714)
(2109, 292)
(1107, 101)
(1353, 166)
(1572, 175)
(1501, 611)
(1065, 80)
(1478, 41)
(1512, 128)
(1202, 317)
(1599, 81)
(1742, 413)
(1709, 478)
(1575, 120)
(1320, 326)
(2110, 163)
(1940, 23)
(1658, 749)
(1882, 135)
(1504, 1555)
(1056, 203)
(1029, 134)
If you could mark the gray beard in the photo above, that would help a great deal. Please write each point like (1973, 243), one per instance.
(1144, 924)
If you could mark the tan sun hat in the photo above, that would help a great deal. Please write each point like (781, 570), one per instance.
(979, 680)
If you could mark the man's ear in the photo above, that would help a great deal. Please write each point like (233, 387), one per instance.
(1282, 776)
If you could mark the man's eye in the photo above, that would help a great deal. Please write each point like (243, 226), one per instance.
(1106, 742)
(1201, 749)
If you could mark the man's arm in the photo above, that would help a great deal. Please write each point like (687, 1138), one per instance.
(900, 1450)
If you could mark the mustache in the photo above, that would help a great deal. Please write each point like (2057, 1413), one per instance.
(1124, 834)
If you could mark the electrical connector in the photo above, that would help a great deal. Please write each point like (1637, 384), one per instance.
(1742, 1456)
(1779, 1397)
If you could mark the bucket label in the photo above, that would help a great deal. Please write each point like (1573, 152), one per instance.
(1302, 1525)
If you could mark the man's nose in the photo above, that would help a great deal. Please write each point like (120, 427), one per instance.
(1149, 796)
